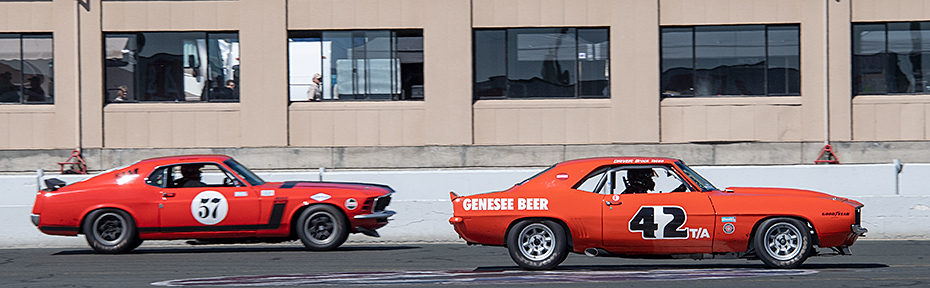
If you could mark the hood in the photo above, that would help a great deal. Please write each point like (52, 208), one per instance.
(788, 192)
(329, 185)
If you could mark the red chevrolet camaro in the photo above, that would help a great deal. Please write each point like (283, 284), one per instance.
(653, 208)
(209, 198)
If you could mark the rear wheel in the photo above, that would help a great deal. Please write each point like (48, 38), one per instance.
(322, 227)
(783, 242)
(111, 231)
(537, 244)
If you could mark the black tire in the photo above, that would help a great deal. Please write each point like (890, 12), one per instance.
(782, 243)
(111, 231)
(322, 227)
(537, 244)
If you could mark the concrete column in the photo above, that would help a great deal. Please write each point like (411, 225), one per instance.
(263, 60)
(447, 46)
(65, 55)
(634, 71)
(840, 70)
(90, 72)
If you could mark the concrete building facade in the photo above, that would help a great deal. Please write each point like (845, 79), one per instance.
(452, 126)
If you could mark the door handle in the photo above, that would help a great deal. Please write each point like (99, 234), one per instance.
(612, 203)
(166, 195)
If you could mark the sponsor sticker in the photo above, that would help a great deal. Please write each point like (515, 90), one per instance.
(497, 204)
(727, 219)
(209, 207)
(834, 213)
(562, 176)
(267, 193)
(351, 203)
(320, 197)
(664, 222)
(616, 197)
(729, 228)
(241, 193)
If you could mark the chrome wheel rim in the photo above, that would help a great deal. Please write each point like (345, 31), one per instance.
(536, 242)
(783, 241)
(110, 228)
(321, 226)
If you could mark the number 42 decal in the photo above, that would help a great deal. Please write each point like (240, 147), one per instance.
(663, 222)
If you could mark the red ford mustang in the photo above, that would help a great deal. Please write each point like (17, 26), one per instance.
(210, 198)
(651, 208)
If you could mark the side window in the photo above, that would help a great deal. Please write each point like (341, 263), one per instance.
(201, 175)
(593, 182)
(158, 178)
(636, 180)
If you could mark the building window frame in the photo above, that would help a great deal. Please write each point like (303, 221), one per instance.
(27, 73)
(760, 53)
(506, 61)
(198, 69)
(903, 46)
(369, 64)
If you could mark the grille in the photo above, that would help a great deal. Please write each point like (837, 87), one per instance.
(381, 203)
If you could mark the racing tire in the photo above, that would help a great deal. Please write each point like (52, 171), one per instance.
(322, 228)
(783, 243)
(111, 231)
(537, 244)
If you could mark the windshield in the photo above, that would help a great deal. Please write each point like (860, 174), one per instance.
(705, 185)
(250, 177)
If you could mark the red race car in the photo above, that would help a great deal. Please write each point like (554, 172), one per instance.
(652, 208)
(210, 198)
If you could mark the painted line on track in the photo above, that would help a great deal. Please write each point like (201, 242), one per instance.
(479, 277)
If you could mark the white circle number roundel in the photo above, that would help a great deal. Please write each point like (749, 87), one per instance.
(209, 207)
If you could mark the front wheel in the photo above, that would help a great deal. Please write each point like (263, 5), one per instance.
(537, 244)
(782, 242)
(322, 228)
(111, 231)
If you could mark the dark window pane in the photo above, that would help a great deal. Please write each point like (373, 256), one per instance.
(223, 58)
(409, 51)
(593, 62)
(37, 69)
(11, 68)
(541, 62)
(677, 61)
(490, 63)
(869, 59)
(784, 60)
(904, 47)
(730, 60)
(121, 66)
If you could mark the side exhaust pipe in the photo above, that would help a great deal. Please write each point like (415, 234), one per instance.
(597, 252)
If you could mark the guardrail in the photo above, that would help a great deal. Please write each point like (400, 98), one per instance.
(897, 203)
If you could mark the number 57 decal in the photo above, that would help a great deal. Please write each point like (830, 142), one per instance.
(669, 218)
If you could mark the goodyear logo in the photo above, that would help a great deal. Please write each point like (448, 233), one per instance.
(837, 213)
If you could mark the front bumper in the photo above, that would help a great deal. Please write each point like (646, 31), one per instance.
(859, 230)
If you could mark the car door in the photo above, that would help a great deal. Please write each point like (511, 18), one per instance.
(220, 205)
(670, 218)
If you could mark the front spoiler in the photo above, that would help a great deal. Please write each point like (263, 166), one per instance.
(377, 215)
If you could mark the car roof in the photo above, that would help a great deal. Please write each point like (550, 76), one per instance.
(185, 158)
(620, 160)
